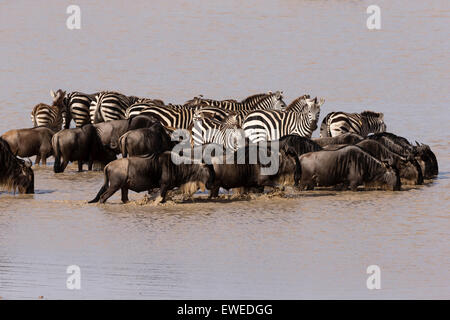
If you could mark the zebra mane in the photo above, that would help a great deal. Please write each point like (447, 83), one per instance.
(256, 97)
(372, 114)
(298, 104)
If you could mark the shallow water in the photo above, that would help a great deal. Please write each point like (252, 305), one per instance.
(309, 245)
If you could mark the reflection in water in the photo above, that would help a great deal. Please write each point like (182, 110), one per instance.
(309, 245)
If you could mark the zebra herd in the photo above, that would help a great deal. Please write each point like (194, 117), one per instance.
(257, 118)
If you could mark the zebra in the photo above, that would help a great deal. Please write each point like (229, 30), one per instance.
(75, 106)
(47, 116)
(262, 101)
(110, 105)
(337, 123)
(299, 118)
(207, 130)
(256, 102)
(136, 108)
(171, 116)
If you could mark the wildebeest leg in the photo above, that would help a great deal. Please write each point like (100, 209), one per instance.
(80, 165)
(354, 185)
(214, 192)
(111, 190)
(38, 159)
(124, 195)
(163, 194)
(44, 159)
(64, 165)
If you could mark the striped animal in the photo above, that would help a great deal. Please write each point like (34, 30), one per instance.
(299, 118)
(75, 106)
(227, 133)
(263, 101)
(171, 116)
(47, 116)
(337, 123)
(136, 108)
(110, 105)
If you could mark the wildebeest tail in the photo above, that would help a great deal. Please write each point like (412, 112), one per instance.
(56, 154)
(123, 145)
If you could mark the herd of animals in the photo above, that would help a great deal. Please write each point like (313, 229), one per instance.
(353, 150)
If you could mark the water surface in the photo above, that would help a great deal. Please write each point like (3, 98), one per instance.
(309, 245)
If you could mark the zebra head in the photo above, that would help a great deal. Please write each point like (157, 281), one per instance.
(313, 109)
(276, 100)
(61, 101)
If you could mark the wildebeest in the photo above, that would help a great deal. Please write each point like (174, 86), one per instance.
(145, 173)
(409, 168)
(15, 173)
(31, 142)
(79, 144)
(349, 167)
(145, 141)
(346, 138)
(240, 171)
(402, 146)
(300, 144)
(109, 132)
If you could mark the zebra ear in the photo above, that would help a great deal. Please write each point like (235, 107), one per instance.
(321, 101)
(52, 94)
(381, 116)
(278, 94)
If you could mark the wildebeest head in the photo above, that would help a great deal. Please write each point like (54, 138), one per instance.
(25, 178)
(426, 159)
(392, 175)
(410, 171)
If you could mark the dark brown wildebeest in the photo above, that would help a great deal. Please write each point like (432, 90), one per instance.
(346, 138)
(409, 168)
(79, 144)
(423, 154)
(31, 142)
(145, 141)
(349, 166)
(300, 144)
(142, 174)
(109, 132)
(15, 173)
(246, 169)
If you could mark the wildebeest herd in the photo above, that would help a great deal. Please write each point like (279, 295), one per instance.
(212, 144)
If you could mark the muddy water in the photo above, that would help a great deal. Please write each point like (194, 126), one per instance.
(308, 245)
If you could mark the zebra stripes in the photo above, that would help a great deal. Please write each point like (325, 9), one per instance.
(337, 123)
(299, 118)
(170, 116)
(109, 105)
(47, 116)
(136, 108)
(262, 101)
(77, 107)
(227, 133)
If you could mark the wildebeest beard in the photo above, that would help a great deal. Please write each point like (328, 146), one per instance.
(15, 173)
